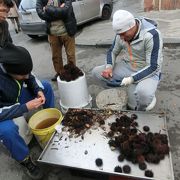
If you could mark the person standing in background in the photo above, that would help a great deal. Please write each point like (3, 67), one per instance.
(14, 17)
(5, 37)
(61, 28)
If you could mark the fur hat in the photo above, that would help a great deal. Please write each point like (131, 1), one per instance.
(16, 59)
(122, 21)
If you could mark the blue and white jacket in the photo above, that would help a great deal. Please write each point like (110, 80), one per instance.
(143, 53)
(9, 94)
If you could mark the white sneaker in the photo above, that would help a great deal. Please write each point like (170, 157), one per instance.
(152, 104)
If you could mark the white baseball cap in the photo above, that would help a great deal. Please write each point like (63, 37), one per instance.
(123, 21)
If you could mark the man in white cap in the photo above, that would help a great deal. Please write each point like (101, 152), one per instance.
(140, 43)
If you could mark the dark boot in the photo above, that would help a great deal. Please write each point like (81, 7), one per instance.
(55, 77)
(32, 170)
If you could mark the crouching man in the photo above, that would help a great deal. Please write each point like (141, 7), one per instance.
(20, 92)
(139, 43)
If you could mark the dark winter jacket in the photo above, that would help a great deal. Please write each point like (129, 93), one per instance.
(52, 13)
(9, 92)
(4, 34)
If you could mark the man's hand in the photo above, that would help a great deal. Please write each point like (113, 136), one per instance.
(3, 12)
(34, 104)
(126, 81)
(107, 73)
(62, 5)
(41, 95)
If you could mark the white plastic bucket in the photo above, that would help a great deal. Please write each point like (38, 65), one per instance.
(74, 94)
(115, 99)
(24, 129)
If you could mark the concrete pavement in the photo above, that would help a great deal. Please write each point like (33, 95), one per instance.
(101, 33)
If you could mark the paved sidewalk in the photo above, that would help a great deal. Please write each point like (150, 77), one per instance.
(101, 33)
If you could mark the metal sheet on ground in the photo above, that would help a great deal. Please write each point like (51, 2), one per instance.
(81, 153)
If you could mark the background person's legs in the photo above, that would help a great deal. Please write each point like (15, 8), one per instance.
(18, 24)
(56, 49)
(69, 44)
(13, 21)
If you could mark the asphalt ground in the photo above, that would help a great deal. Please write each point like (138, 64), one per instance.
(93, 54)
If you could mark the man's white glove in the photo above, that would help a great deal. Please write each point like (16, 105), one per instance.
(126, 81)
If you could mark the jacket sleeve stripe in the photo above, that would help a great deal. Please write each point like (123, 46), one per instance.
(152, 68)
(155, 51)
(10, 112)
(109, 53)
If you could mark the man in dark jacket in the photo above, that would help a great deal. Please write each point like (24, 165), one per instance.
(5, 6)
(17, 99)
(61, 27)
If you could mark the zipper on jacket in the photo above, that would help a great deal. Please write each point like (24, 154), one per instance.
(19, 90)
